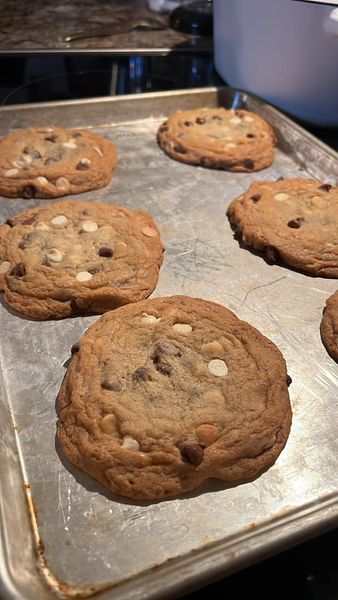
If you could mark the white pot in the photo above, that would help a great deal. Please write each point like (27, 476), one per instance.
(282, 50)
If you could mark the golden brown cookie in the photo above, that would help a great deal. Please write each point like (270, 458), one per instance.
(294, 220)
(166, 393)
(234, 140)
(47, 162)
(329, 326)
(75, 257)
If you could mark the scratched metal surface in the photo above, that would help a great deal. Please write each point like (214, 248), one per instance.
(90, 537)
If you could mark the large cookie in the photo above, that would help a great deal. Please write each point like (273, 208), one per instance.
(234, 140)
(166, 393)
(294, 220)
(47, 162)
(329, 326)
(73, 256)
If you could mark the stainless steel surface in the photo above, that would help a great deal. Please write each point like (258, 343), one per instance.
(92, 540)
(136, 24)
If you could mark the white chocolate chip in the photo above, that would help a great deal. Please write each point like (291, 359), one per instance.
(54, 255)
(4, 266)
(98, 150)
(18, 163)
(231, 145)
(218, 367)
(42, 180)
(318, 201)
(108, 424)
(62, 183)
(182, 327)
(45, 129)
(248, 119)
(129, 443)
(11, 172)
(84, 276)
(85, 161)
(88, 226)
(59, 221)
(149, 231)
(235, 120)
(281, 196)
(41, 226)
(71, 145)
(27, 158)
(149, 319)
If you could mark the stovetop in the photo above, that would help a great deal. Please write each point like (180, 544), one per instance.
(308, 571)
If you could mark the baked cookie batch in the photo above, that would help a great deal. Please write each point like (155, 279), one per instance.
(163, 394)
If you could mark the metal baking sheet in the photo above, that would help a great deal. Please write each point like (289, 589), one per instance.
(76, 539)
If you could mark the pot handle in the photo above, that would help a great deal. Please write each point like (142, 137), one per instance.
(330, 24)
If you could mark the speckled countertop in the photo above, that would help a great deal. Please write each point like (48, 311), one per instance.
(46, 24)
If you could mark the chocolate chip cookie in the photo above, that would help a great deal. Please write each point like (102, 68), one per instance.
(294, 220)
(167, 393)
(329, 326)
(234, 140)
(47, 162)
(75, 257)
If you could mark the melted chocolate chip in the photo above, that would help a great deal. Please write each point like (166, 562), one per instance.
(193, 453)
(95, 269)
(106, 252)
(140, 374)
(121, 282)
(22, 246)
(295, 223)
(248, 163)
(188, 123)
(33, 152)
(250, 135)
(28, 221)
(29, 191)
(216, 118)
(11, 222)
(163, 368)
(51, 138)
(82, 166)
(163, 128)
(167, 349)
(255, 197)
(18, 270)
(325, 186)
(76, 134)
(112, 386)
(180, 149)
(50, 160)
(288, 380)
(271, 255)
(75, 348)
(200, 120)
(281, 178)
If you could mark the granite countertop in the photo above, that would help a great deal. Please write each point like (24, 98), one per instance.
(45, 24)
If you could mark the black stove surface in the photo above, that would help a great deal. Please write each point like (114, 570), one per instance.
(310, 570)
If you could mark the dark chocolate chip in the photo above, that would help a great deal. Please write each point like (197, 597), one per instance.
(51, 138)
(248, 163)
(326, 187)
(281, 178)
(95, 269)
(18, 270)
(295, 223)
(271, 255)
(106, 252)
(288, 380)
(33, 152)
(255, 197)
(250, 135)
(180, 149)
(163, 128)
(11, 222)
(238, 113)
(75, 348)
(193, 453)
(22, 246)
(200, 120)
(163, 368)
(29, 191)
(188, 123)
(167, 349)
(82, 166)
(140, 374)
(112, 386)
(28, 221)
(50, 160)
(216, 118)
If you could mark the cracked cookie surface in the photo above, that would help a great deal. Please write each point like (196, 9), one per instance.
(48, 162)
(233, 140)
(329, 326)
(167, 393)
(74, 257)
(294, 220)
